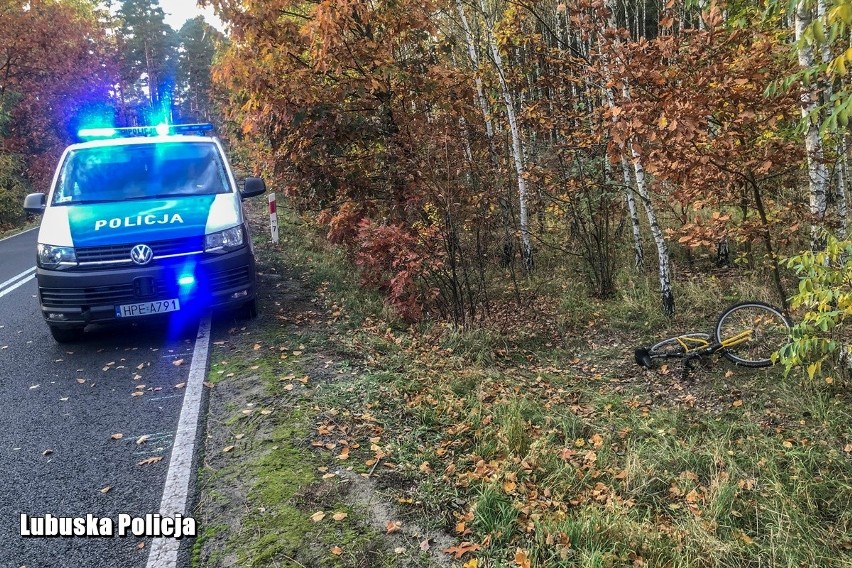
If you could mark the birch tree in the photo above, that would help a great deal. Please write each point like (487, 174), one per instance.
(810, 106)
(664, 269)
(517, 149)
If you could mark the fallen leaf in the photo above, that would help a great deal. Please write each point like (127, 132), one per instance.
(461, 549)
(149, 461)
(266, 412)
(399, 549)
(227, 449)
(424, 545)
(177, 362)
(117, 436)
(47, 452)
(256, 346)
(318, 516)
(137, 393)
(239, 436)
(81, 381)
(142, 439)
(140, 545)
(34, 387)
(106, 489)
(393, 526)
(180, 385)
(737, 403)
(339, 516)
(336, 550)
(521, 558)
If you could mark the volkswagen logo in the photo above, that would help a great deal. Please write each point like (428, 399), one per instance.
(141, 254)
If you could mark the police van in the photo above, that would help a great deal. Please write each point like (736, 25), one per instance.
(141, 222)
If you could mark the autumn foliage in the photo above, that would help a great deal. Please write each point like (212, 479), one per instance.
(390, 121)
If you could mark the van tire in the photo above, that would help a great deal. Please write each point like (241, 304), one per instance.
(248, 310)
(66, 334)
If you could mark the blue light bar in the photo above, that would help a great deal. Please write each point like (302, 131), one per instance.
(200, 129)
(186, 280)
(96, 133)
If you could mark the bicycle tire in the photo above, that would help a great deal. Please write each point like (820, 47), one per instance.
(671, 346)
(770, 327)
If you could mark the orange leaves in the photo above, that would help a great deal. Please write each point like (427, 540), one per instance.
(461, 549)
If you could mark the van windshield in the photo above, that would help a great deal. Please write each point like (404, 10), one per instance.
(140, 171)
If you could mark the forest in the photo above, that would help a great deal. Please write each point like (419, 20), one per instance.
(487, 205)
(454, 146)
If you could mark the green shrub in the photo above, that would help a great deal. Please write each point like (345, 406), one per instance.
(825, 300)
(12, 192)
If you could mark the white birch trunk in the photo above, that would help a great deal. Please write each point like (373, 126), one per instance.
(517, 145)
(638, 252)
(809, 102)
(474, 59)
(666, 295)
(664, 274)
(507, 246)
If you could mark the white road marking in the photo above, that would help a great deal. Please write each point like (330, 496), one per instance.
(17, 234)
(17, 276)
(164, 551)
(27, 275)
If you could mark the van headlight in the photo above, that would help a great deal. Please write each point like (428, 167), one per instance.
(49, 256)
(224, 241)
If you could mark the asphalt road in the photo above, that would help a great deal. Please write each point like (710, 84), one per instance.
(60, 406)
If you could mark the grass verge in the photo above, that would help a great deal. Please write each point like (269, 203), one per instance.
(537, 444)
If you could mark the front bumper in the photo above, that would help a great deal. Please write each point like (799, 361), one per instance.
(73, 298)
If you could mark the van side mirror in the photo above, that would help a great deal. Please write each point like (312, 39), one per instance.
(35, 203)
(253, 186)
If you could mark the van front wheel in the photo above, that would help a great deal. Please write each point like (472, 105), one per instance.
(66, 334)
(248, 310)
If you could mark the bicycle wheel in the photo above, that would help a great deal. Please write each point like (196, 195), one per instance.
(750, 332)
(674, 346)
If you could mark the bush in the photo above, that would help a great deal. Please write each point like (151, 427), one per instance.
(13, 189)
(825, 298)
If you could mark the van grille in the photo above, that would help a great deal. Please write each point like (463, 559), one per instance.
(228, 279)
(113, 253)
(96, 296)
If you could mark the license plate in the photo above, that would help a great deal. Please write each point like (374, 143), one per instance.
(147, 308)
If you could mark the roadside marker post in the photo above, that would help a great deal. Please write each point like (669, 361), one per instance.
(273, 217)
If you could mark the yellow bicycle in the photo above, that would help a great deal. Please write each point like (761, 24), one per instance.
(747, 334)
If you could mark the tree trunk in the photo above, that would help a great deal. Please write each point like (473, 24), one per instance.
(809, 102)
(638, 251)
(517, 145)
(507, 247)
(664, 273)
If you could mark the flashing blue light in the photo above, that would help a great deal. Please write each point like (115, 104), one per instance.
(186, 280)
(162, 129)
(96, 132)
